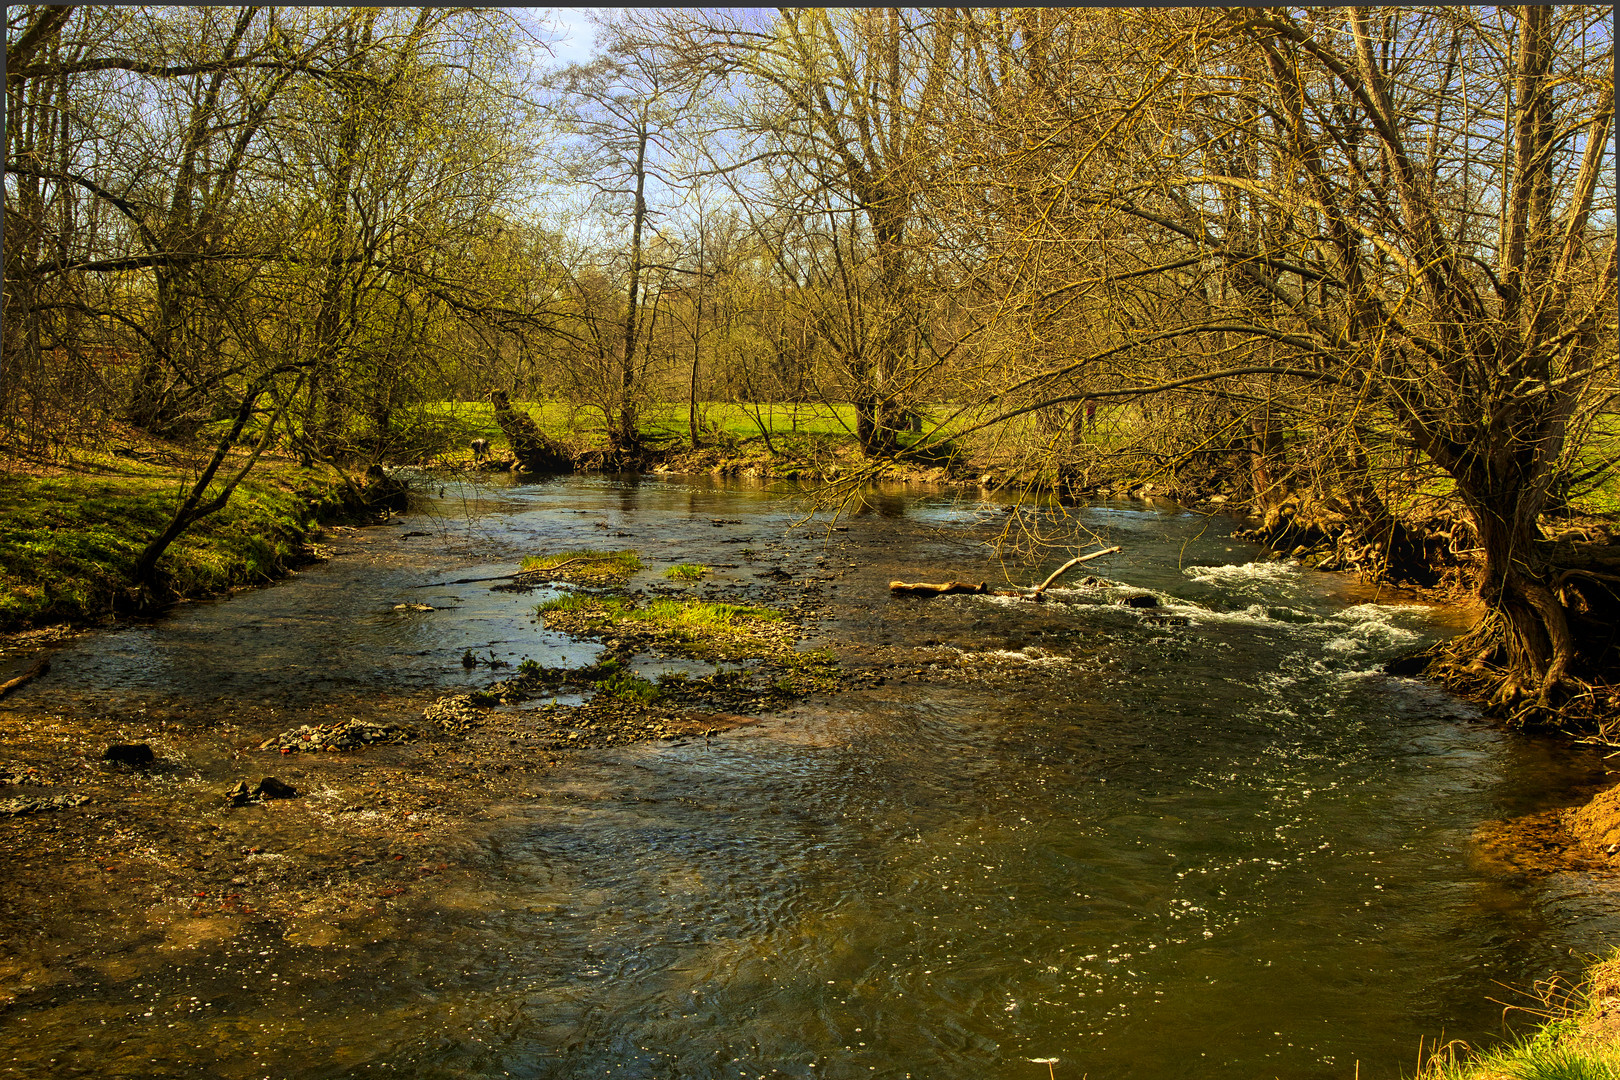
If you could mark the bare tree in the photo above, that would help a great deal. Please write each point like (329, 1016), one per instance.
(1401, 220)
(623, 112)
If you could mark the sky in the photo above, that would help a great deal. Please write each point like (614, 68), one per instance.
(568, 33)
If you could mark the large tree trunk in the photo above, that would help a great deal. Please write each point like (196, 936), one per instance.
(1525, 633)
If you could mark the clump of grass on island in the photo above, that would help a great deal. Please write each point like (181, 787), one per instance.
(702, 626)
(586, 565)
(629, 687)
(690, 617)
(686, 571)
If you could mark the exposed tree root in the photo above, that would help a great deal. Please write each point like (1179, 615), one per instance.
(1580, 698)
(1333, 534)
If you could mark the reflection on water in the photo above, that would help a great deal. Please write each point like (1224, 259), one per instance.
(1225, 848)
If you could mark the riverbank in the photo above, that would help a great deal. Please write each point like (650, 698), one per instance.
(72, 528)
(1581, 1038)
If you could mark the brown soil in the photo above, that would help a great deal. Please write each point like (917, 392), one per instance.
(1595, 827)
(1584, 838)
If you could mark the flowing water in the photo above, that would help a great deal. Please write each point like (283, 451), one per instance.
(1229, 848)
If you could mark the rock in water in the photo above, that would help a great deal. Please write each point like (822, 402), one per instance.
(271, 788)
(129, 754)
(1145, 600)
(239, 794)
(348, 735)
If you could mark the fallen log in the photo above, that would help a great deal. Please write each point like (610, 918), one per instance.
(903, 588)
(41, 668)
(1070, 565)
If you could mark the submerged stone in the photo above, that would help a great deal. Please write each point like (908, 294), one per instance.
(129, 754)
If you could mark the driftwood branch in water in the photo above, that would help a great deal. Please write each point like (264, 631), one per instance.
(507, 577)
(904, 588)
(901, 588)
(1070, 565)
(41, 668)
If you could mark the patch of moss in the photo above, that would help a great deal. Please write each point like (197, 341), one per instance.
(699, 627)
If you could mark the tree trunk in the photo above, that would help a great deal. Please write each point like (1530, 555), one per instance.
(627, 434)
(1526, 632)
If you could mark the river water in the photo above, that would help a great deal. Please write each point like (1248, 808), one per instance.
(1229, 848)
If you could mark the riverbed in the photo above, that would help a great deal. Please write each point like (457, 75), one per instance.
(1205, 838)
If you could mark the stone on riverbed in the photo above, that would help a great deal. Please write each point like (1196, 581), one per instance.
(349, 735)
(268, 788)
(271, 788)
(39, 803)
(129, 754)
(453, 713)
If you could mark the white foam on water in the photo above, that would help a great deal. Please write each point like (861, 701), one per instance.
(1374, 612)
(1030, 654)
(1371, 629)
(1233, 575)
(1253, 615)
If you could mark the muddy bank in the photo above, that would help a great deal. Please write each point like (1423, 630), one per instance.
(1583, 837)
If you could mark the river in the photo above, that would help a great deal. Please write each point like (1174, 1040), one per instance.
(1146, 849)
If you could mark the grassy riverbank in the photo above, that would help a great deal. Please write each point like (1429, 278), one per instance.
(71, 530)
(1579, 1041)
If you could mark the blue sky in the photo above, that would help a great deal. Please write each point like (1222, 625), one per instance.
(568, 32)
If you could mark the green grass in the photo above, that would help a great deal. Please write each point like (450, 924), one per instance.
(626, 686)
(476, 419)
(587, 561)
(69, 542)
(737, 420)
(702, 616)
(1600, 496)
(1573, 1045)
(697, 622)
(686, 571)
